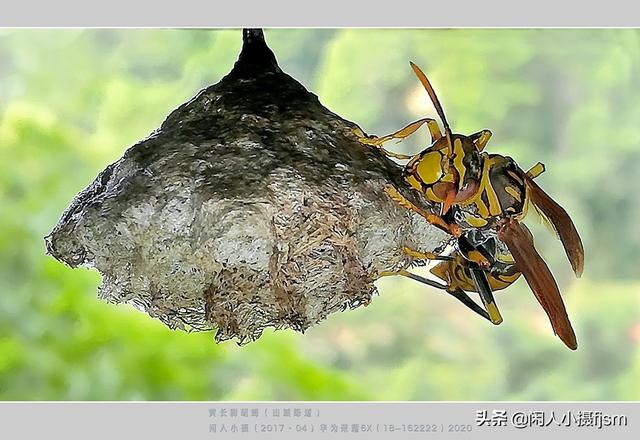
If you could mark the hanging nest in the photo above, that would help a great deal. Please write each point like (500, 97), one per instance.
(252, 206)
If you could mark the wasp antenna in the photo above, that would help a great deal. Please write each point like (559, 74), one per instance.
(436, 103)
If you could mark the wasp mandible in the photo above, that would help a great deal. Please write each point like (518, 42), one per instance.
(478, 190)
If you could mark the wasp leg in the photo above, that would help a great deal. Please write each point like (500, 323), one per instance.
(481, 138)
(400, 135)
(536, 170)
(377, 142)
(422, 255)
(404, 132)
(462, 296)
(486, 295)
(413, 276)
(459, 294)
(425, 256)
(372, 140)
(434, 219)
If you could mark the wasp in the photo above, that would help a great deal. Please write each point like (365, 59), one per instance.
(478, 190)
(479, 263)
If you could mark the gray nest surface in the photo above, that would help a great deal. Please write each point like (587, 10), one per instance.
(252, 206)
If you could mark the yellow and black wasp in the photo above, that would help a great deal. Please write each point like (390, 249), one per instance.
(479, 263)
(478, 190)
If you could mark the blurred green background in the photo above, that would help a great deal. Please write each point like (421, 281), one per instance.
(72, 100)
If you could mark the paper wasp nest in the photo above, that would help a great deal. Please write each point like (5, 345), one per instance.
(251, 206)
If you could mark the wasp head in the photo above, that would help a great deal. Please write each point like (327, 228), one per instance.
(449, 170)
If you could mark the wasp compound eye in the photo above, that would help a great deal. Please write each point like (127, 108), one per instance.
(429, 168)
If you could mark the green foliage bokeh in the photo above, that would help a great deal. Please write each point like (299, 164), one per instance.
(72, 100)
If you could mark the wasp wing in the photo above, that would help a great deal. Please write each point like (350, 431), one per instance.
(558, 218)
(539, 278)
